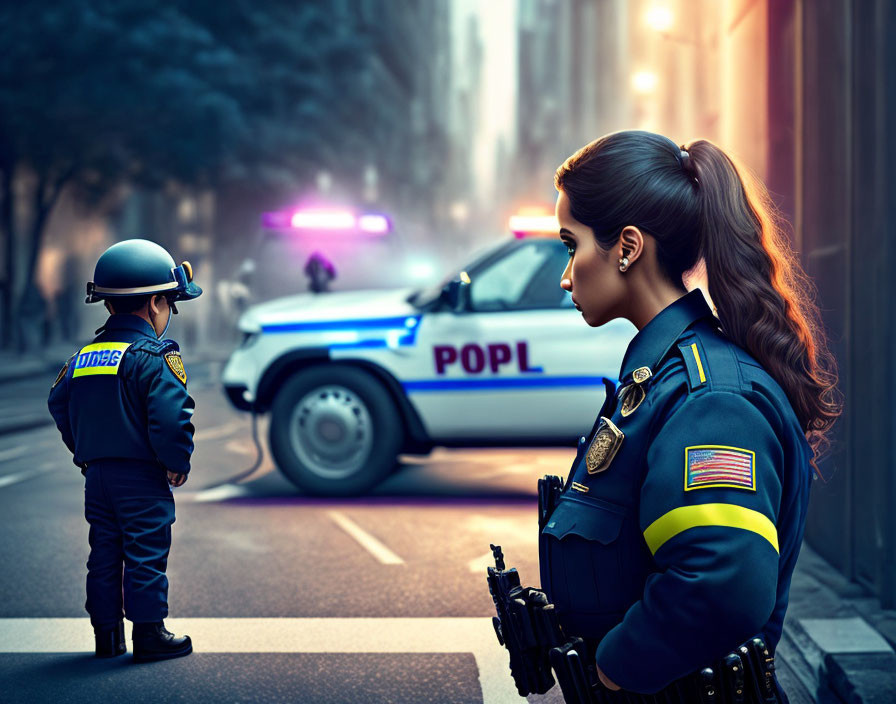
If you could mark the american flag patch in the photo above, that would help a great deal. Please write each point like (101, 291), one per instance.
(719, 466)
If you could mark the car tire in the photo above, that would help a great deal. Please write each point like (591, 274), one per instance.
(334, 430)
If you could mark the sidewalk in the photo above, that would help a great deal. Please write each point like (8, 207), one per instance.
(837, 640)
(30, 376)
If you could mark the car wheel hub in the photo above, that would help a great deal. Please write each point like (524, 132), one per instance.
(331, 431)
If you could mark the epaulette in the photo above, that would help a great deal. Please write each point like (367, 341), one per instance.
(694, 356)
(155, 347)
(710, 361)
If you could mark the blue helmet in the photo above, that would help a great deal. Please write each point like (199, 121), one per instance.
(140, 267)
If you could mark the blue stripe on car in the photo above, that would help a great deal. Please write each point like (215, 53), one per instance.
(405, 322)
(403, 329)
(501, 383)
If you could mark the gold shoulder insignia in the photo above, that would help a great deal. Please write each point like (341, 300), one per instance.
(176, 364)
(607, 441)
(61, 375)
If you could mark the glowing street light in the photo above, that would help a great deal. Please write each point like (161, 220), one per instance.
(660, 18)
(644, 82)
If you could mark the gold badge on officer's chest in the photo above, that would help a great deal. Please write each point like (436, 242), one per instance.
(607, 441)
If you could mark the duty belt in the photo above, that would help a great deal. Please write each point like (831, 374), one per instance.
(744, 676)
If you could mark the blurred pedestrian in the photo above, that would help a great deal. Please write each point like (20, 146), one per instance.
(320, 272)
(122, 407)
(670, 547)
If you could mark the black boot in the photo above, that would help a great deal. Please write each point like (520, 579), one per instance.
(110, 641)
(152, 641)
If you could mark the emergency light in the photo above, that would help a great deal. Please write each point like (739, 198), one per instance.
(336, 221)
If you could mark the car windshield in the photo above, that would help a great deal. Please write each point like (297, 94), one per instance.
(427, 296)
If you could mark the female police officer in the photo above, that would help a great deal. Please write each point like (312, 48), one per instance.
(675, 535)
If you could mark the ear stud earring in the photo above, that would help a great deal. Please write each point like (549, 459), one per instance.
(623, 264)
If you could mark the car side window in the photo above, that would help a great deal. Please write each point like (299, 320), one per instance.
(543, 290)
(527, 276)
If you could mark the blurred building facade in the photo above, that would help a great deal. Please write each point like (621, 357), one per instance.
(573, 66)
(831, 144)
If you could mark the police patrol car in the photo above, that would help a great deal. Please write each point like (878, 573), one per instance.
(496, 355)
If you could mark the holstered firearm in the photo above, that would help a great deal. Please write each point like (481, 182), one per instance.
(526, 625)
(549, 490)
(570, 662)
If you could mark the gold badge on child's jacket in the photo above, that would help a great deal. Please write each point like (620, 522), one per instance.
(176, 364)
(61, 375)
(607, 441)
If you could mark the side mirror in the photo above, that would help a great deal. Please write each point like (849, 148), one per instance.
(456, 293)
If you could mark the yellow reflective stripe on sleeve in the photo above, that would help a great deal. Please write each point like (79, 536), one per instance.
(699, 363)
(680, 519)
(99, 358)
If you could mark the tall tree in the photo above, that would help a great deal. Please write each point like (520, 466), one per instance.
(97, 92)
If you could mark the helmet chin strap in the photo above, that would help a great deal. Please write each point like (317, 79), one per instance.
(167, 325)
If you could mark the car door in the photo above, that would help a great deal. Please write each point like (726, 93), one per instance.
(519, 363)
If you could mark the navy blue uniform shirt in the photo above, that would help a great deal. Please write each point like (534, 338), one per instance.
(125, 396)
(678, 528)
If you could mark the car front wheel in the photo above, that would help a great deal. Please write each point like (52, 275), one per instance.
(334, 430)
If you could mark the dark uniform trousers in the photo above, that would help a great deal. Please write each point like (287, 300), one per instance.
(130, 510)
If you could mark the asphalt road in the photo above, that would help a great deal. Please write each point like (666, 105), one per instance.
(287, 598)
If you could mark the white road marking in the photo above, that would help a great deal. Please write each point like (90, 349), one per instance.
(13, 452)
(17, 477)
(240, 447)
(297, 635)
(219, 431)
(365, 540)
(216, 493)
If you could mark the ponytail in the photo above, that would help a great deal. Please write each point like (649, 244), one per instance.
(764, 299)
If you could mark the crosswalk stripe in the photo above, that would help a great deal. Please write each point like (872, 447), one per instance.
(297, 635)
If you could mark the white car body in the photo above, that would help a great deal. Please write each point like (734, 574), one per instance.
(527, 373)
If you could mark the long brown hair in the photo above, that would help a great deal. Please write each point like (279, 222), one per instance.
(702, 203)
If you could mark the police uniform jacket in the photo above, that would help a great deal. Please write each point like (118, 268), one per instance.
(124, 396)
(677, 531)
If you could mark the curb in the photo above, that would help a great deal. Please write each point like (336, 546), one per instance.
(840, 659)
